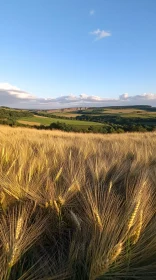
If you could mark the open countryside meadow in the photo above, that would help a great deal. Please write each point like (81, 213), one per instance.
(77, 206)
(94, 120)
(41, 120)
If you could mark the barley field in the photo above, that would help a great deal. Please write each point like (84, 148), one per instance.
(77, 206)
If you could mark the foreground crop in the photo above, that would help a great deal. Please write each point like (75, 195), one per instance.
(77, 206)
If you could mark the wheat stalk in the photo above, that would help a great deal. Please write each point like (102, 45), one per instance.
(61, 200)
(2, 197)
(99, 269)
(18, 227)
(115, 252)
(57, 207)
(138, 231)
(110, 187)
(58, 175)
(13, 257)
(74, 187)
(132, 218)
(46, 204)
(98, 219)
(102, 265)
(75, 218)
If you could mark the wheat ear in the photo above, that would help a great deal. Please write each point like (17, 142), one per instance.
(138, 231)
(132, 218)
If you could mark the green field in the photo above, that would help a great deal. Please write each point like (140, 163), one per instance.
(119, 112)
(47, 121)
(130, 113)
(96, 120)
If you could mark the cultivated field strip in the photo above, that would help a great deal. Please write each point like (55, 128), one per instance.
(77, 206)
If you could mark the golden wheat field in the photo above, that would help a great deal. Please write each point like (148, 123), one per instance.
(77, 206)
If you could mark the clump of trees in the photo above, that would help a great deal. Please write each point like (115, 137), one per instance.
(10, 116)
(109, 128)
(14, 114)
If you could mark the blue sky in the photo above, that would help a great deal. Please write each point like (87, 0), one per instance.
(71, 51)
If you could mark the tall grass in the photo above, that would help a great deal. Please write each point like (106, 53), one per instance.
(76, 206)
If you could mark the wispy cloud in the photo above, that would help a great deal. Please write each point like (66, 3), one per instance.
(12, 96)
(92, 12)
(100, 34)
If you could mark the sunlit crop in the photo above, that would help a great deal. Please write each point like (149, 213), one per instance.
(77, 206)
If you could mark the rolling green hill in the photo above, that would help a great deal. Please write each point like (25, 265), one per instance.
(47, 121)
(99, 120)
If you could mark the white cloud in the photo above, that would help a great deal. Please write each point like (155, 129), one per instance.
(14, 91)
(6, 86)
(12, 96)
(91, 12)
(100, 34)
(124, 96)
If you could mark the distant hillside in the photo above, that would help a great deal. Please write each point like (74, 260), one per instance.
(113, 119)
